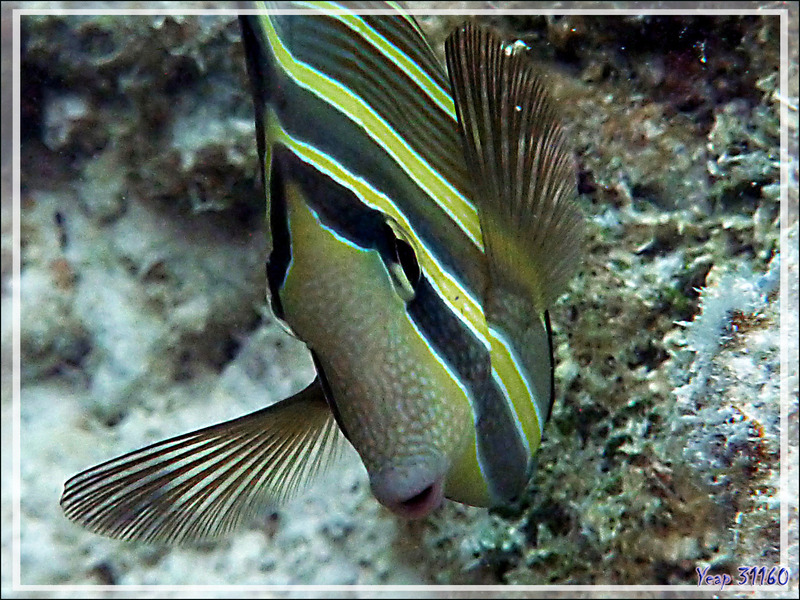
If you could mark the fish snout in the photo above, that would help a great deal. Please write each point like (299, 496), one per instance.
(410, 492)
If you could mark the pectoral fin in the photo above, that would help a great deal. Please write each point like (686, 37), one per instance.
(201, 485)
(523, 176)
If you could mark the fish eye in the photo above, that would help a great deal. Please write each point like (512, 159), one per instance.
(408, 261)
(403, 265)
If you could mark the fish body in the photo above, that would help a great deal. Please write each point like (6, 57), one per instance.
(422, 223)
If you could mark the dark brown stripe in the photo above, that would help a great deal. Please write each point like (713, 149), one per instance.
(332, 48)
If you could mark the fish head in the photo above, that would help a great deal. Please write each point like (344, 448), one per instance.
(417, 245)
(351, 290)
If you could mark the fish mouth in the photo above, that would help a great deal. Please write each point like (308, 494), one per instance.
(415, 502)
(421, 504)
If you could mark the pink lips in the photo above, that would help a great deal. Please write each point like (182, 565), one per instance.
(410, 489)
(421, 504)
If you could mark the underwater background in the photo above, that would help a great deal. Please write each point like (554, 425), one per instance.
(144, 312)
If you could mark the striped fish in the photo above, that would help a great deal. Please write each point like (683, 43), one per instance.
(422, 223)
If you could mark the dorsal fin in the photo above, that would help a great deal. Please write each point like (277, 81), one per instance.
(523, 175)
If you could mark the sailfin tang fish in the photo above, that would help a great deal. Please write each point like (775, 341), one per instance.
(422, 223)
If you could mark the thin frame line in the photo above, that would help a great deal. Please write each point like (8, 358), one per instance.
(16, 409)
(412, 11)
(783, 13)
(784, 293)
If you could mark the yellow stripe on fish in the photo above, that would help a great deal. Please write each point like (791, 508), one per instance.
(434, 184)
(422, 223)
(427, 84)
(459, 299)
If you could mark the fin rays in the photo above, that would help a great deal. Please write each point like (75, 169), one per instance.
(201, 485)
(517, 153)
